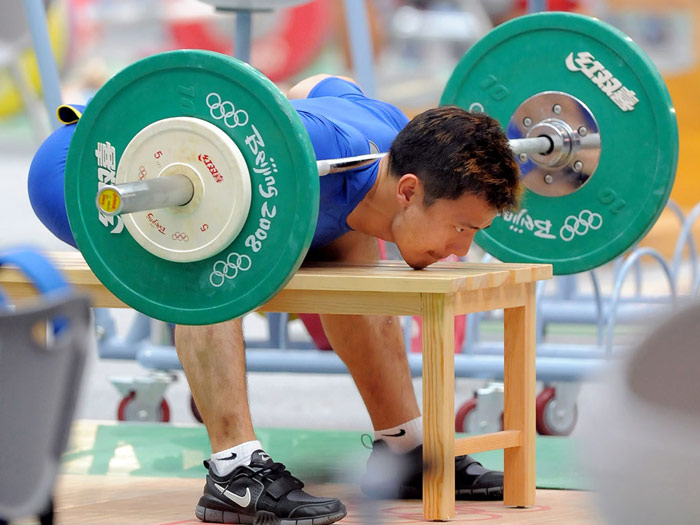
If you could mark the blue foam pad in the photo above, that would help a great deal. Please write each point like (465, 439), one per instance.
(45, 182)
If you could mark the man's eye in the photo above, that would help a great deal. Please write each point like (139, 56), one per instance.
(459, 230)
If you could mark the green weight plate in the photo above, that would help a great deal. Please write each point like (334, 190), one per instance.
(284, 179)
(601, 67)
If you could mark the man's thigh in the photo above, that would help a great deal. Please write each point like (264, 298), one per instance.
(351, 247)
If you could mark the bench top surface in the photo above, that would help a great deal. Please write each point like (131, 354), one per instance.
(384, 276)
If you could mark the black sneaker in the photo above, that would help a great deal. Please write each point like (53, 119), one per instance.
(264, 492)
(400, 476)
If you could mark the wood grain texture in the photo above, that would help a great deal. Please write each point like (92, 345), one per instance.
(438, 407)
(483, 442)
(520, 380)
(385, 276)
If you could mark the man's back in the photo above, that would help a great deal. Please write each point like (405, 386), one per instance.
(343, 122)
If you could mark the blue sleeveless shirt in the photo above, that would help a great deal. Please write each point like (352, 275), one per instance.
(343, 122)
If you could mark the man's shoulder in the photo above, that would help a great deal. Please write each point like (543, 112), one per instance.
(340, 88)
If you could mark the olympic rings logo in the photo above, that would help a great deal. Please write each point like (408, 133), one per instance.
(228, 269)
(225, 110)
(179, 236)
(581, 225)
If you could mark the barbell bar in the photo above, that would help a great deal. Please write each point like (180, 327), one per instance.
(178, 190)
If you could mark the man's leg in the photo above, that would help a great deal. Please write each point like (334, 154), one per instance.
(213, 358)
(243, 484)
(372, 348)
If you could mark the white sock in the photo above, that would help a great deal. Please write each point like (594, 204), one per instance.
(225, 461)
(402, 438)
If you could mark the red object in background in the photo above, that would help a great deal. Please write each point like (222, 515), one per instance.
(460, 333)
(312, 322)
(162, 415)
(554, 5)
(544, 398)
(460, 326)
(282, 52)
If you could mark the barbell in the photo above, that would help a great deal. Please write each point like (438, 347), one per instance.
(178, 189)
(205, 179)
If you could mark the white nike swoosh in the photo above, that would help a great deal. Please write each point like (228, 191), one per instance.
(243, 500)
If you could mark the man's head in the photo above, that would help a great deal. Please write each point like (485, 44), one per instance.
(455, 172)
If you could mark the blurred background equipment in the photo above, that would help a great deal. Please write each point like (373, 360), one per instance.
(641, 441)
(43, 346)
(284, 41)
(20, 84)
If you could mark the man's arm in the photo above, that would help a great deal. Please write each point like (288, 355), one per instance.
(303, 88)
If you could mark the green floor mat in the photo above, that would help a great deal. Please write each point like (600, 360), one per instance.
(144, 449)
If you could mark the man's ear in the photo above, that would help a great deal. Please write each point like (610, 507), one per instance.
(408, 189)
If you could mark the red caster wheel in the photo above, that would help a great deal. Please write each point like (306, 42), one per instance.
(195, 410)
(552, 420)
(466, 419)
(128, 411)
(462, 417)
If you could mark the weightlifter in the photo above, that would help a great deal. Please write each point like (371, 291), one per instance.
(448, 174)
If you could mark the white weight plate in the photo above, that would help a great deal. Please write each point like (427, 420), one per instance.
(222, 189)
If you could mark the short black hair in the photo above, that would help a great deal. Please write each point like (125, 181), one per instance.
(453, 152)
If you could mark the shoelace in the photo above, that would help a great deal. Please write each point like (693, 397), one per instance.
(276, 468)
(275, 471)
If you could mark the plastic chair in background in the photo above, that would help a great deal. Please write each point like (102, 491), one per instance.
(43, 346)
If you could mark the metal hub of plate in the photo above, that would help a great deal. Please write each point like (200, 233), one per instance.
(575, 140)
(215, 166)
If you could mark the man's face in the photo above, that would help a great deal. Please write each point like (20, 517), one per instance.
(425, 235)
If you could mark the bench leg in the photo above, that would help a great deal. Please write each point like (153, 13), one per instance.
(438, 408)
(519, 404)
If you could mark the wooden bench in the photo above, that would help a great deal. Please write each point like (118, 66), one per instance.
(438, 294)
